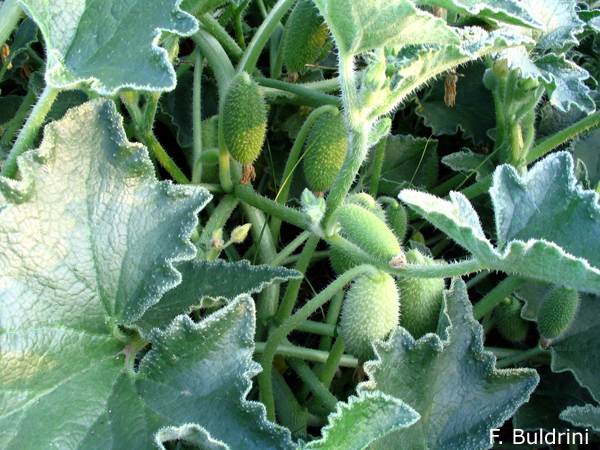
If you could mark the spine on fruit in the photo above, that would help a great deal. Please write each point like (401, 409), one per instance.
(557, 312)
(508, 320)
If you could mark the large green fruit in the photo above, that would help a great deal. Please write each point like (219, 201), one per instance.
(368, 232)
(326, 146)
(508, 320)
(244, 119)
(557, 312)
(421, 299)
(371, 310)
(306, 37)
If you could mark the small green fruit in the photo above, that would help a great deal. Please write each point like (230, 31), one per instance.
(306, 37)
(244, 119)
(396, 217)
(421, 299)
(210, 132)
(368, 202)
(326, 146)
(371, 310)
(508, 320)
(368, 232)
(557, 312)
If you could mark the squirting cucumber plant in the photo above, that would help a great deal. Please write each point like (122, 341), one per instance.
(298, 224)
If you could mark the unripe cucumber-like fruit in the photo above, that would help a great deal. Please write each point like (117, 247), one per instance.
(210, 132)
(508, 320)
(244, 119)
(306, 37)
(421, 299)
(397, 220)
(368, 232)
(368, 202)
(557, 312)
(326, 146)
(371, 310)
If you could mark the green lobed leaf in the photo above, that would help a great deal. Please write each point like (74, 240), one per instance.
(215, 280)
(361, 25)
(467, 161)
(450, 380)
(587, 416)
(190, 434)
(25, 36)
(577, 350)
(84, 42)
(416, 65)
(363, 420)
(471, 112)
(408, 161)
(526, 246)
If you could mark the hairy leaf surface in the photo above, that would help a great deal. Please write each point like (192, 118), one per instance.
(449, 380)
(526, 243)
(363, 420)
(361, 25)
(211, 280)
(89, 240)
(587, 416)
(86, 40)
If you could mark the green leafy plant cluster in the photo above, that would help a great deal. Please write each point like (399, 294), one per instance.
(311, 224)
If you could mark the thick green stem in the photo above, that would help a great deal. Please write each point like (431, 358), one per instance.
(333, 314)
(316, 98)
(217, 220)
(215, 28)
(377, 166)
(320, 391)
(11, 127)
(478, 188)
(290, 248)
(216, 57)
(197, 119)
(276, 52)
(264, 378)
(293, 287)
(269, 297)
(248, 195)
(237, 24)
(290, 413)
(30, 130)
(164, 159)
(516, 145)
(258, 42)
(310, 326)
(509, 285)
(308, 354)
(10, 13)
(550, 143)
(440, 270)
(294, 159)
(333, 362)
(522, 356)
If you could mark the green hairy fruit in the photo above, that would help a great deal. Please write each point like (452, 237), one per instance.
(508, 320)
(210, 133)
(368, 232)
(371, 310)
(557, 312)
(326, 146)
(244, 119)
(421, 299)
(368, 202)
(306, 37)
(396, 217)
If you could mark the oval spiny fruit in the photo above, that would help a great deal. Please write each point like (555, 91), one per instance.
(368, 202)
(557, 312)
(326, 146)
(368, 232)
(421, 299)
(397, 220)
(244, 119)
(306, 37)
(371, 310)
(508, 320)
(210, 132)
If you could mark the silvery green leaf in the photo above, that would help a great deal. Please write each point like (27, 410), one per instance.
(91, 41)
(363, 420)
(530, 239)
(467, 161)
(587, 416)
(508, 11)
(449, 379)
(214, 280)
(361, 25)
(190, 434)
